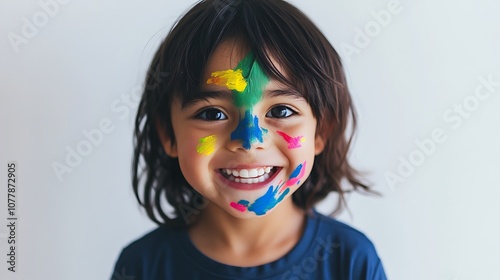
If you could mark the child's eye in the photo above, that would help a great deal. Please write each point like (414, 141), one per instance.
(280, 111)
(211, 114)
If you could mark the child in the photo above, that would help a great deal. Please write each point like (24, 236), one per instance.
(243, 130)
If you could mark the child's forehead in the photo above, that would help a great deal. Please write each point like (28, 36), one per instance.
(228, 55)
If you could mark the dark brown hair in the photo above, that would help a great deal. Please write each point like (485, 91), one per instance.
(270, 28)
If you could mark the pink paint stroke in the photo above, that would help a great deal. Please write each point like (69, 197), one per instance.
(293, 142)
(292, 181)
(238, 206)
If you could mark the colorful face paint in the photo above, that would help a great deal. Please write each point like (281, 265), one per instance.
(267, 202)
(247, 81)
(293, 142)
(232, 79)
(206, 145)
(273, 196)
(248, 131)
(296, 175)
(240, 206)
(256, 82)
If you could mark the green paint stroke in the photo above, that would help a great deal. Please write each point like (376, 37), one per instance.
(256, 82)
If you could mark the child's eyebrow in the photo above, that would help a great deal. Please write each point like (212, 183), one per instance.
(205, 95)
(284, 92)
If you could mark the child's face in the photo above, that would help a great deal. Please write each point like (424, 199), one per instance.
(249, 143)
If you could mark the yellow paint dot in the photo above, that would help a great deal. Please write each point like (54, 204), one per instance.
(303, 139)
(206, 145)
(232, 79)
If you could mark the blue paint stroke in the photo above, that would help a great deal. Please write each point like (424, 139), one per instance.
(248, 131)
(244, 202)
(296, 175)
(267, 201)
(273, 196)
(296, 172)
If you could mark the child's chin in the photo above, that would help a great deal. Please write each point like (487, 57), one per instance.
(246, 214)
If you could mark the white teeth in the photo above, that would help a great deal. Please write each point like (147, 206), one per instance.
(248, 173)
(260, 172)
(253, 173)
(250, 176)
(244, 173)
(263, 178)
(250, 180)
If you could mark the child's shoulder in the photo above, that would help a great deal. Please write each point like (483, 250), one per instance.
(344, 237)
(340, 227)
(152, 239)
(142, 257)
(150, 243)
(345, 251)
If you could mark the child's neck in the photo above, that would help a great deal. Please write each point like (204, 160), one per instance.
(248, 242)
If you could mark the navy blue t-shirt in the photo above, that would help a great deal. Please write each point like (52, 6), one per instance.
(328, 249)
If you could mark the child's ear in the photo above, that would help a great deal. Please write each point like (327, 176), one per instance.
(166, 141)
(322, 133)
(319, 144)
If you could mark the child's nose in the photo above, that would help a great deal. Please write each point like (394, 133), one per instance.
(244, 145)
(248, 134)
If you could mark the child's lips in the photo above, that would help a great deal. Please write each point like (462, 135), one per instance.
(249, 179)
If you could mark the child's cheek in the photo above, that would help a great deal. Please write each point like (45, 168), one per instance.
(198, 147)
(292, 141)
(206, 145)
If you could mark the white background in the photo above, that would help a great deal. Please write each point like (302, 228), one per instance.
(440, 223)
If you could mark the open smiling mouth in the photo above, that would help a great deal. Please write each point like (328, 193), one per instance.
(250, 175)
